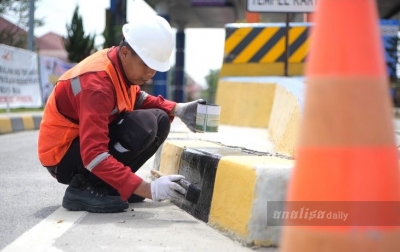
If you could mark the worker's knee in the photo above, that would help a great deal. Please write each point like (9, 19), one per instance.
(138, 129)
(164, 125)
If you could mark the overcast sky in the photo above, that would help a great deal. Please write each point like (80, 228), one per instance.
(204, 47)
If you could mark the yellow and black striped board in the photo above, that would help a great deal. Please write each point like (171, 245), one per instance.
(260, 49)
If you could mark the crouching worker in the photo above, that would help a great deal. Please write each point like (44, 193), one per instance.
(98, 127)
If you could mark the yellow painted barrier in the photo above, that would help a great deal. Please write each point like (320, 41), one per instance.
(284, 121)
(28, 122)
(5, 125)
(245, 103)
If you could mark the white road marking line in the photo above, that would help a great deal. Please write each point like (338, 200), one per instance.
(42, 236)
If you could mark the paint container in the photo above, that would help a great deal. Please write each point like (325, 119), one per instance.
(207, 117)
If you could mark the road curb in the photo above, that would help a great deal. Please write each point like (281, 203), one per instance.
(15, 123)
(236, 185)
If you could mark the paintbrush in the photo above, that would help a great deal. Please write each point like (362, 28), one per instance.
(192, 192)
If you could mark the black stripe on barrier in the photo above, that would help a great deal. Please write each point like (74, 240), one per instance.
(242, 45)
(303, 38)
(199, 169)
(229, 31)
(17, 124)
(267, 46)
(36, 121)
(199, 166)
(294, 46)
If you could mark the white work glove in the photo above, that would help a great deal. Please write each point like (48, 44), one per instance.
(165, 188)
(187, 113)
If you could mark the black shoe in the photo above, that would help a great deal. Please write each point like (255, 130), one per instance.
(81, 195)
(135, 198)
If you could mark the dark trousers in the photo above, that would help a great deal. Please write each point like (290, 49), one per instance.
(140, 131)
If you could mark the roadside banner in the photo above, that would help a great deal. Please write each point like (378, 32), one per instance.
(50, 70)
(19, 78)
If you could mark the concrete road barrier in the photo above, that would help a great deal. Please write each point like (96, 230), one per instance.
(236, 185)
(274, 103)
(19, 122)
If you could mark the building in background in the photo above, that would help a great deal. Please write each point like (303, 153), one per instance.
(12, 35)
(50, 44)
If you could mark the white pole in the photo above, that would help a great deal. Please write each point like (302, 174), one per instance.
(31, 39)
(8, 101)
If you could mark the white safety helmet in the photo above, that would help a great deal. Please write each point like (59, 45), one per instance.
(151, 38)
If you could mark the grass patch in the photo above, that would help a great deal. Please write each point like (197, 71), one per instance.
(16, 110)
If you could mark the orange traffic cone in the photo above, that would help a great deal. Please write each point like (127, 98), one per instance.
(345, 189)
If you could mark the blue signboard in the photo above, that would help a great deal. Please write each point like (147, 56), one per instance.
(389, 33)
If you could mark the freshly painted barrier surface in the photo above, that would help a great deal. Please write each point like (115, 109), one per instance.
(245, 103)
(199, 166)
(274, 103)
(286, 114)
(236, 185)
(243, 187)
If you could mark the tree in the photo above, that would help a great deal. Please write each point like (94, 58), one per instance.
(112, 33)
(76, 43)
(112, 36)
(16, 35)
(212, 82)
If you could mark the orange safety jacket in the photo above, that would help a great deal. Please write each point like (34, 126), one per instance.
(56, 131)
